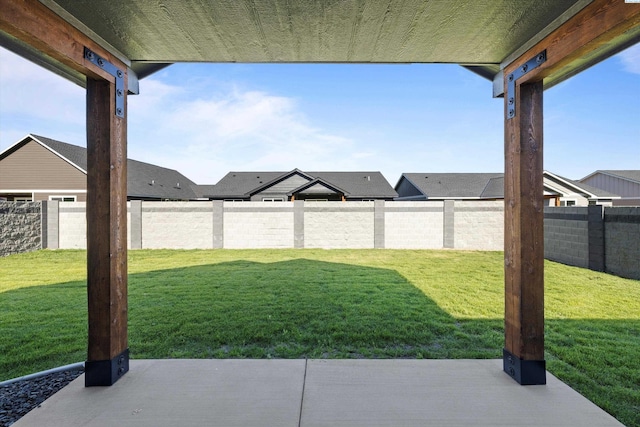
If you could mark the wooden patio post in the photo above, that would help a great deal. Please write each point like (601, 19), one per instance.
(73, 52)
(524, 238)
(108, 353)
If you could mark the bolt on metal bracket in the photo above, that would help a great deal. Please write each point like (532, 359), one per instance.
(115, 72)
(531, 64)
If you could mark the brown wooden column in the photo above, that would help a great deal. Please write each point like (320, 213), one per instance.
(35, 25)
(108, 353)
(587, 34)
(524, 238)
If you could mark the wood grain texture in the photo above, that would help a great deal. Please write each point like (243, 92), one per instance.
(599, 23)
(106, 223)
(36, 25)
(524, 231)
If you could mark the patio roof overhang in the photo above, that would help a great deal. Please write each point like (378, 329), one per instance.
(483, 35)
(521, 45)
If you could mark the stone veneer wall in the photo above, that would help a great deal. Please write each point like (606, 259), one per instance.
(20, 227)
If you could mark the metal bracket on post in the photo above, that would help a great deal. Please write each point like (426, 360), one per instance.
(116, 72)
(531, 64)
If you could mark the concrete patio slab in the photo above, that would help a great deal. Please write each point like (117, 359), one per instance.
(408, 393)
(181, 392)
(317, 393)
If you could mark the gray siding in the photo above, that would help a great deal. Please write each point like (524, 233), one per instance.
(614, 185)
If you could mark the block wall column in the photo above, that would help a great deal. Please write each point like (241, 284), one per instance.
(53, 224)
(298, 224)
(595, 216)
(378, 224)
(218, 224)
(136, 224)
(448, 224)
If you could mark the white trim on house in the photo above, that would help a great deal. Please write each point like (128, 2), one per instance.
(576, 189)
(61, 197)
(57, 154)
(24, 190)
(33, 138)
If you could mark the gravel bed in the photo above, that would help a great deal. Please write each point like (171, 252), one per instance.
(21, 397)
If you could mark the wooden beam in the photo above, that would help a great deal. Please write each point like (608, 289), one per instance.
(108, 354)
(591, 30)
(524, 238)
(595, 29)
(39, 28)
(36, 25)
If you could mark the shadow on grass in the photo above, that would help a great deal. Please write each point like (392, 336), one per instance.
(305, 308)
(295, 309)
(291, 309)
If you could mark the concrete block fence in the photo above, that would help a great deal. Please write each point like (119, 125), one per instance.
(602, 239)
(595, 237)
(299, 224)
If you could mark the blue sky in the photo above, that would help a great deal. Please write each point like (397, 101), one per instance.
(207, 119)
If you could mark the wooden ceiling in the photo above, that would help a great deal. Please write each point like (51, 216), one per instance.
(484, 35)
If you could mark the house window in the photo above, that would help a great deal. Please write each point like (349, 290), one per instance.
(63, 198)
(22, 199)
(316, 200)
(233, 200)
(568, 203)
(273, 199)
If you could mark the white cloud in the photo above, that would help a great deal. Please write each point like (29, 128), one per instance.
(30, 89)
(34, 100)
(630, 59)
(206, 136)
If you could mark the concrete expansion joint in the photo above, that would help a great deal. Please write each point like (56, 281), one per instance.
(304, 387)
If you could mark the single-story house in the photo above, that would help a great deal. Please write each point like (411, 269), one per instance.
(299, 185)
(38, 168)
(625, 183)
(558, 191)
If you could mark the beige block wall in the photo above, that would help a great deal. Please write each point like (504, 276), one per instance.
(258, 225)
(177, 225)
(339, 225)
(72, 226)
(479, 225)
(407, 226)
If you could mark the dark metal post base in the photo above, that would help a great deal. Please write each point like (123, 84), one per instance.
(525, 372)
(106, 372)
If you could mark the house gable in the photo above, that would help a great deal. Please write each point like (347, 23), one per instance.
(408, 190)
(281, 186)
(31, 167)
(269, 185)
(625, 183)
(44, 167)
(318, 189)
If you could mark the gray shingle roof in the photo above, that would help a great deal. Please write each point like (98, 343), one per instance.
(478, 185)
(75, 154)
(447, 185)
(355, 184)
(494, 189)
(144, 180)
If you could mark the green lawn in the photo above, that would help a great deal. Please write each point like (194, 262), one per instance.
(326, 304)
